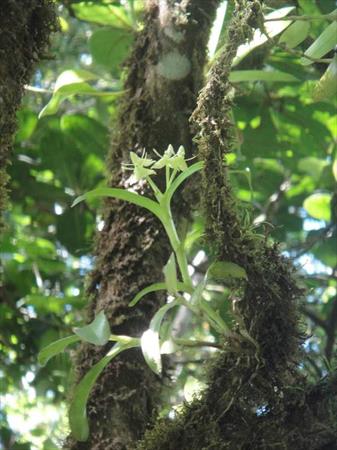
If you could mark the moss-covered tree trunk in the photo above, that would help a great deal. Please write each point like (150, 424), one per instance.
(256, 396)
(165, 72)
(25, 28)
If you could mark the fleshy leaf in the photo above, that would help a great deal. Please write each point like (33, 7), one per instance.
(97, 332)
(150, 343)
(170, 273)
(181, 178)
(121, 194)
(225, 271)
(55, 348)
(77, 413)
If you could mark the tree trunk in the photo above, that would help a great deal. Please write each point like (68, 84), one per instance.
(165, 72)
(256, 398)
(25, 29)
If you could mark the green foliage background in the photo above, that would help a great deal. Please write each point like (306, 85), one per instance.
(284, 171)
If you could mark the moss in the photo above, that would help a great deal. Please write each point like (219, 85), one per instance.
(25, 30)
(132, 248)
(256, 397)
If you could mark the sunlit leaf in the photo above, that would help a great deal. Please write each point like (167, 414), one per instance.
(55, 348)
(296, 33)
(97, 332)
(326, 88)
(150, 343)
(325, 42)
(318, 206)
(73, 82)
(151, 350)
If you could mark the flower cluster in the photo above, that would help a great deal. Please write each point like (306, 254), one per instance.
(144, 167)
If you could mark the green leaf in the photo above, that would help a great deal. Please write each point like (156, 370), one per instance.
(157, 287)
(110, 46)
(318, 206)
(77, 413)
(102, 14)
(273, 28)
(55, 348)
(334, 168)
(295, 34)
(152, 288)
(170, 273)
(122, 194)
(312, 166)
(73, 82)
(181, 178)
(150, 343)
(325, 42)
(97, 332)
(326, 88)
(238, 76)
(225, 271)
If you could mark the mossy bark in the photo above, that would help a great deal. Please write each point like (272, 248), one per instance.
(25, 29)
(256, 398)
(164, 75)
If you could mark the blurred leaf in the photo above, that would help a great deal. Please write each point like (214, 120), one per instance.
(295, 34)
(238, 76)
(318, 206)
(326, 88)
(97, 332)
(325, 42)
(312, 166)
(73, 82)
(27, 123)
(102, 14)
(109, 46)
(55, 348)
(71, 230)
(334, 168)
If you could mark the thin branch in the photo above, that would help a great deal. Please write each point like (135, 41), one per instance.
(331, 328)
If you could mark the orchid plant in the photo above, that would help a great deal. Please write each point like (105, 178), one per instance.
(177, 281)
